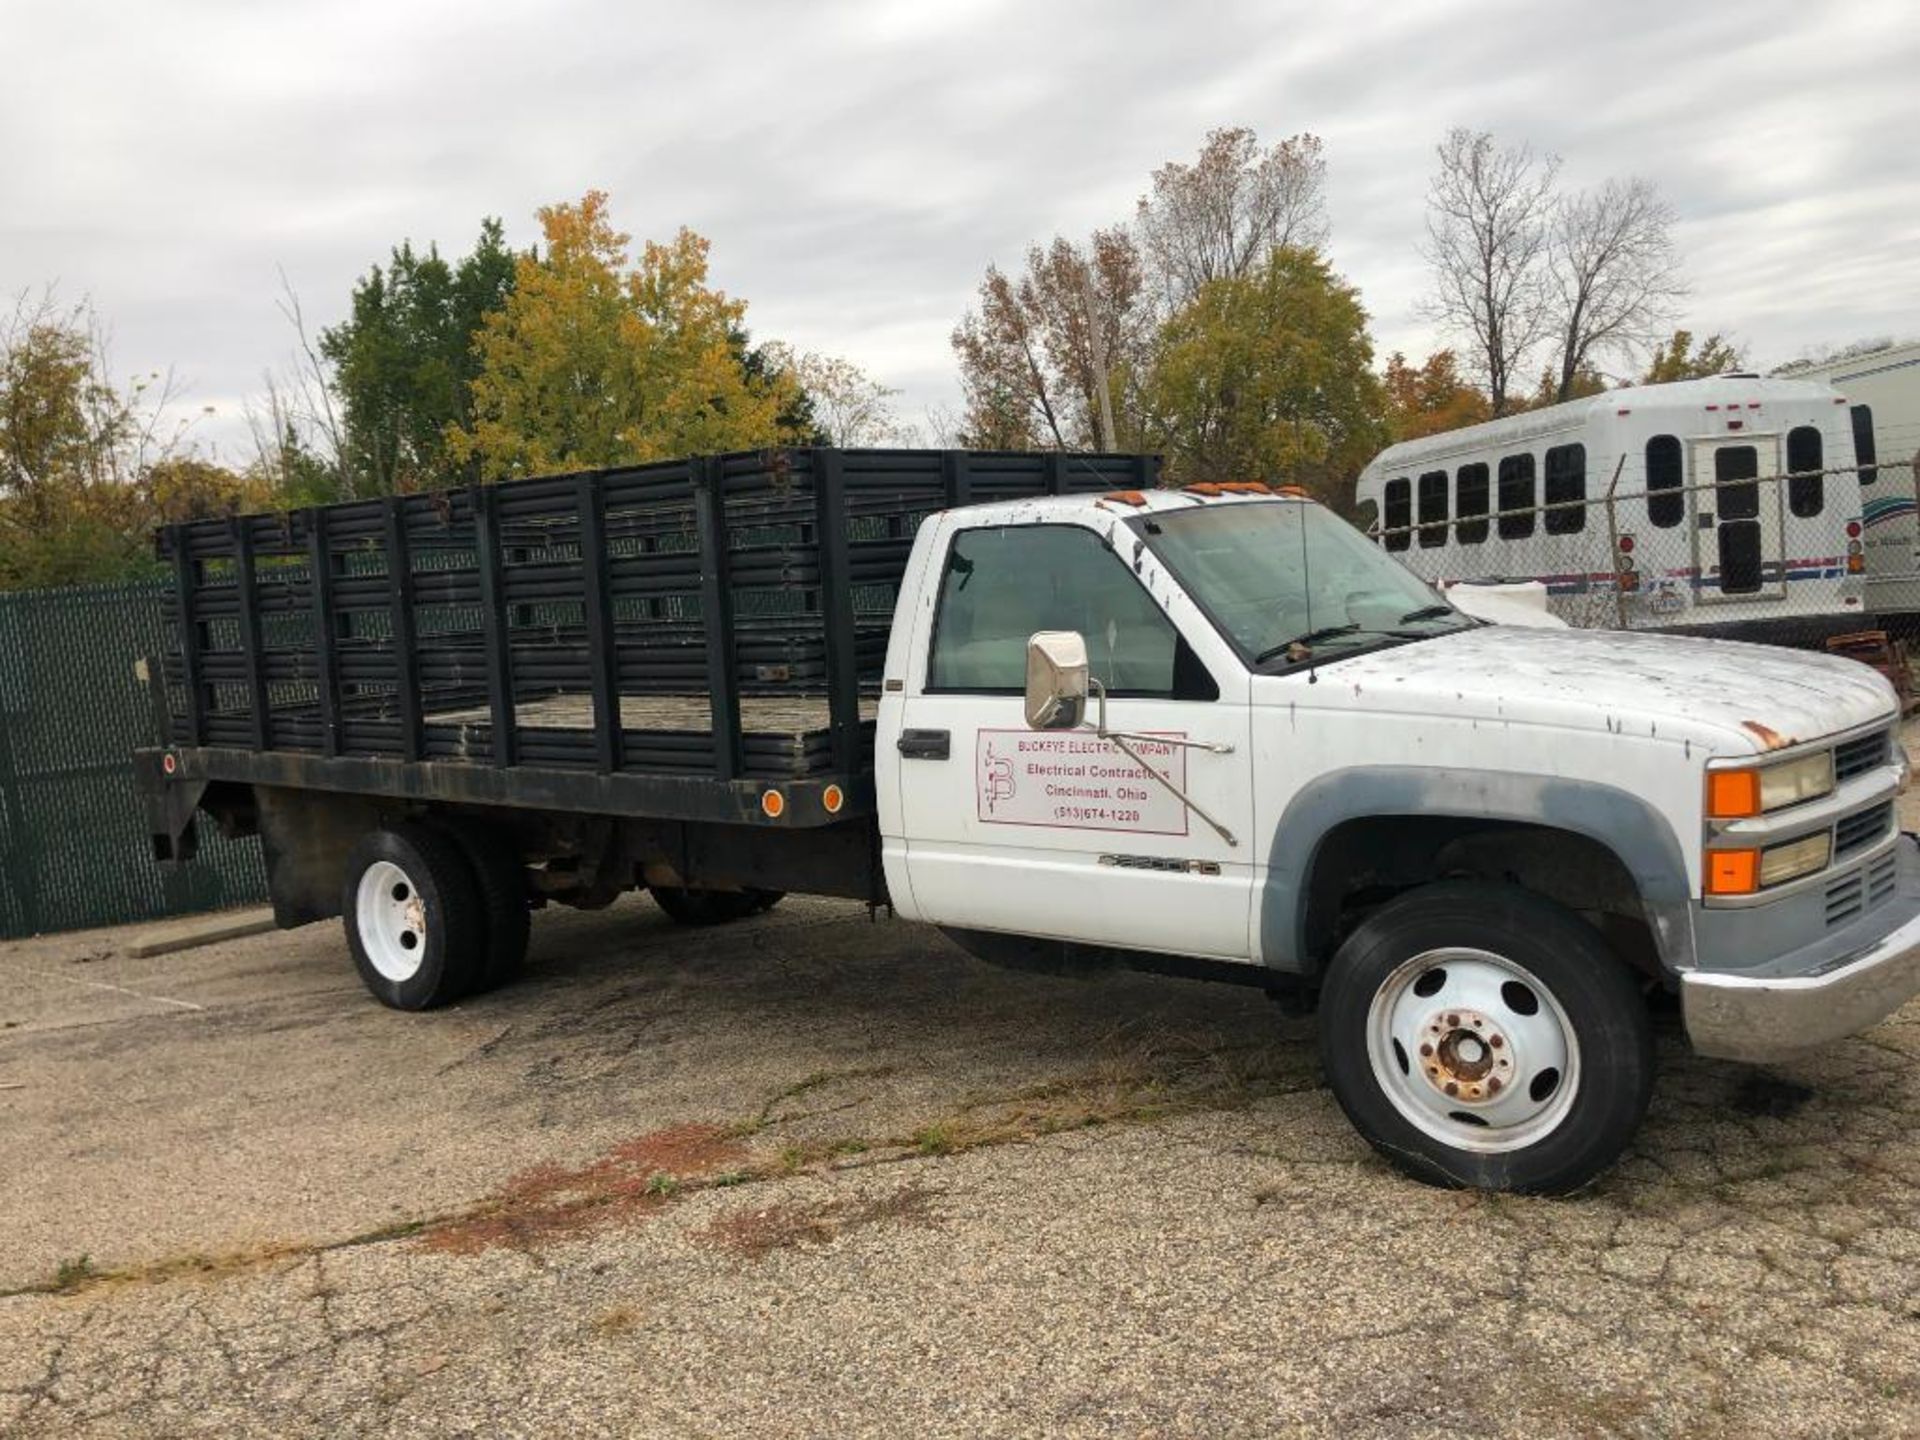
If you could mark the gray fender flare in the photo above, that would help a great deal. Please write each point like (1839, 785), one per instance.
(1632, 829)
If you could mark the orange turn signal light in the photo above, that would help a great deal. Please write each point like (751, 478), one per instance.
(1733, 872)
(773, 804)
(833, 797)
(1733, 794)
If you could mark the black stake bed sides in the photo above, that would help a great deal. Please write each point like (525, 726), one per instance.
(669, 639)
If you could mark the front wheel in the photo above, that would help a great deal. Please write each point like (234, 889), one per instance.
(1480, 1035)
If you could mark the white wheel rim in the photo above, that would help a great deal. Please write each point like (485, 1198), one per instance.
(1473, 1050)
(392, 920)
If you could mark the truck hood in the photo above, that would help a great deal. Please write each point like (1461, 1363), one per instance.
(1726, 695)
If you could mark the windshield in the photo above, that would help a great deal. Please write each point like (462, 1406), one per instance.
(1291, 581)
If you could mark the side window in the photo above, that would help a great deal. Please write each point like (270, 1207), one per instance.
(1002, 584)
(1806, 486)
(1666, 497)
(1516, 495)
(1863, 447)
(1566, 487)
(1470, 504)
(1399, 514)
(1433, 509)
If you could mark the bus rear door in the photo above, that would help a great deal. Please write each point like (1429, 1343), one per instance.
(1737, 532)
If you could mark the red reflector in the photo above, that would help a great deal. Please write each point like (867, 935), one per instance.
(1753, 404)
(1853, 529)
(1713, 407)
(1626, 544)
(1735, 424)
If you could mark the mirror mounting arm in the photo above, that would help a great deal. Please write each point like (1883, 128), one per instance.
(1120, 738)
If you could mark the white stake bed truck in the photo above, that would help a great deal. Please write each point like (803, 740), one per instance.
(1214, 730)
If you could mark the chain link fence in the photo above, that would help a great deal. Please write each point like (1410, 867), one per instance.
(74, 845)
(1791, 559)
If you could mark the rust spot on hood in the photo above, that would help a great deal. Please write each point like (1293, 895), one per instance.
(1768, 737)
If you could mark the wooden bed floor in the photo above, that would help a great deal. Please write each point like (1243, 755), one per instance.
(759, 714)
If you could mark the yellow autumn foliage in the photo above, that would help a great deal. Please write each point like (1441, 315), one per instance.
(596, 361)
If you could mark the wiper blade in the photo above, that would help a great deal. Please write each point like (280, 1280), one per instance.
(1428, 612)
(1306, 641)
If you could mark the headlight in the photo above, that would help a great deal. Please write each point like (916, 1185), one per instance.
(1738, 794)
(1742, 872)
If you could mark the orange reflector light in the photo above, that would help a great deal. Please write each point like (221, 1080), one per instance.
(1733, 872)
(1856, 564)
(1733, 794)
(1203, 487)
(1298, 492)
(773, 804)
(1125, 497)
(833, 797)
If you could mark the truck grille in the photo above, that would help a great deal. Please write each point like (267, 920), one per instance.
(1852, 896)
(1859, 755)
(1861, 828)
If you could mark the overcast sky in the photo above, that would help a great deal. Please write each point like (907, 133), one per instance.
(857, 165)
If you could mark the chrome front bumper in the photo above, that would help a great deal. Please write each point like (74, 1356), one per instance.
(1772, 1017)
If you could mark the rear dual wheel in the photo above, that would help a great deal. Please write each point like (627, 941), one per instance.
(433, 912)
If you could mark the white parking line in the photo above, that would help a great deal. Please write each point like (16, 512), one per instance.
(118, 989)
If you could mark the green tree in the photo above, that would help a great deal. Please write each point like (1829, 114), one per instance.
(1268, 376)
(404, 362)
(1677, 359)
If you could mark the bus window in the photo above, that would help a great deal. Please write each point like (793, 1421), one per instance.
(1666, 501)
(1399, 515)
(1470, 504)
(1806, 486)
(1516, 495)
(1863, 451)
(1433, 509)
(1566, 486)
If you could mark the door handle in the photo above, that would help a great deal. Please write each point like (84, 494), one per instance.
(924, 744)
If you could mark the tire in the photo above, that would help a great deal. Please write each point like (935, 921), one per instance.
(767, 899)
(500, 882)
(410, 880)
(706, 907)
(1537, 1025)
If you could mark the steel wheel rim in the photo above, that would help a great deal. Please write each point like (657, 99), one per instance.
(1515, 1071)
(392, 921)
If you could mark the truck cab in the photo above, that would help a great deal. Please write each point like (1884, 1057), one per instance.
(1218, 724)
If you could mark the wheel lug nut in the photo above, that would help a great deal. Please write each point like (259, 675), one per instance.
(1426, 1049)
(1496, 1041)
(1493, 1085)
(1452, 1089)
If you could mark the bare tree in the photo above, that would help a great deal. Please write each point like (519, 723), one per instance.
(852, 407)
(1224, 214)
(1039, 356)
(1614, 273)
(1489, 216)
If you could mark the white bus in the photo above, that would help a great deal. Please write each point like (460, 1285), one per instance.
(1882, 388)
(1731, 504)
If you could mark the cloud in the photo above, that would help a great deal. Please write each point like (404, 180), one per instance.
(857, 165)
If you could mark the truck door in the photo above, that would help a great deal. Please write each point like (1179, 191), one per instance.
(1738, 525)
(1058, 833)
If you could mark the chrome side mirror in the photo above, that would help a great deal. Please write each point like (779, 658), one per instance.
(1056, 680)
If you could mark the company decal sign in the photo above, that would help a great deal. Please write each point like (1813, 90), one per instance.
(1078, 782)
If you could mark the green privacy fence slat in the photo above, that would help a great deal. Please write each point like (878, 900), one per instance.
(74, 847)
